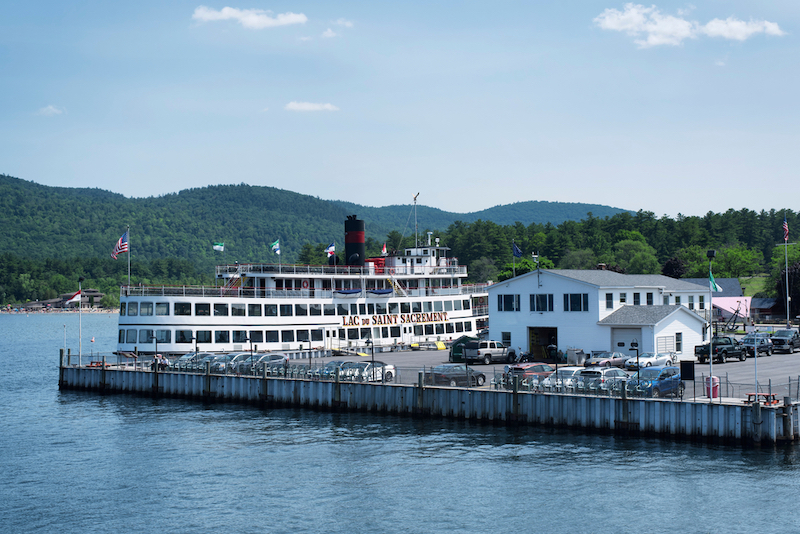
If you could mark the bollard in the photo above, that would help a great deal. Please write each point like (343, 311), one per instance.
(69, 357)
(60, 368)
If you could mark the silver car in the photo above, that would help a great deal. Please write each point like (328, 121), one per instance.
(649, 359)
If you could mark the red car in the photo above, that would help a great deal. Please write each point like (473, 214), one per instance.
(528, 371)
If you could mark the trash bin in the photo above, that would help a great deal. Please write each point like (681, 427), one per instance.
(712, 387)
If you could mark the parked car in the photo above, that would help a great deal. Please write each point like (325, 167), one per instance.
(454, 374)
(198, 365)
(656, 382)
(757, 344)
(488, 351)
(725, 347)
(601, 378)
(256, 365)
(365, 371)
(219, 363)
(527, 372)
(328, 371)
(607, 359)
(786, 340)
(237, 357)
(563, 377)
(649, 359)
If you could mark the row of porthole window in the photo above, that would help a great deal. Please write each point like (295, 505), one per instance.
(150, 336)
(204, 309)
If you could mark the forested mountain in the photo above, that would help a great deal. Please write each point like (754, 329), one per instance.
(52, 235)
(39, 221)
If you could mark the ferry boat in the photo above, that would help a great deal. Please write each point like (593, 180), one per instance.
(416, 296)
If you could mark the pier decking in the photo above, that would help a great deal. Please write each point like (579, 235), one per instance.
(734, 422)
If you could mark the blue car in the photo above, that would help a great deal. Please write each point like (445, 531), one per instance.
(657, 381)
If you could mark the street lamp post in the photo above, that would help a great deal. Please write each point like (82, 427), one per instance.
(635, 346)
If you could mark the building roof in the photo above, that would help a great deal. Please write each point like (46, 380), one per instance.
(762, 303)
(602, 278)
(644, 315)
(730, 286)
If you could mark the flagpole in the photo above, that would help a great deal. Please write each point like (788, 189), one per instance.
(513, 259)
(786, 256)
(128, 231)
(80, 320)
(710, 387)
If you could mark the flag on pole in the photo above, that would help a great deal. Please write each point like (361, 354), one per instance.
(219, 247)
(516, 250)
(714, 287)
(331, 250)
(785, 230)
(383, 251)
(277, 247)
(75, 298)
(121, 246)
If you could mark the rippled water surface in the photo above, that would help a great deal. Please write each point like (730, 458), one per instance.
(80, 462)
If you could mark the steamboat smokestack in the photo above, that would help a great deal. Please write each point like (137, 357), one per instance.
(354, 249)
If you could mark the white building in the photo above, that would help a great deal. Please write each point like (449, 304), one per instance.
(598, 310)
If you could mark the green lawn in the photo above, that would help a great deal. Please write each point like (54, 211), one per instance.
(753, 284)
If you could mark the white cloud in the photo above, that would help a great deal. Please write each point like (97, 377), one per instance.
(343, 22)
(309, 106)
(329, 33)
(254, 19)
(306, 38)
(652, 28)
(50, 111)
(740, 30)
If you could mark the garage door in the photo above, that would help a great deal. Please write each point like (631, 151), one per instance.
(621, 339)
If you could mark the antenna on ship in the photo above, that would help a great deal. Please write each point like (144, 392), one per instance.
(416, 229)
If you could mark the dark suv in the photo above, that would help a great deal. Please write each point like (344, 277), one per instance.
(787, 340)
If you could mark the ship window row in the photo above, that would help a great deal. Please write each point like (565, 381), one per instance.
(204, 309)
(147, 336)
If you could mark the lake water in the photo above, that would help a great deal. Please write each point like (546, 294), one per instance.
(81, 462)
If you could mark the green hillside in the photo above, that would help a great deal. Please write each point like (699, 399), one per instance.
(57, 222)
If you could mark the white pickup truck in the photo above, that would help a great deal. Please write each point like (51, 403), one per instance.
(487, 352)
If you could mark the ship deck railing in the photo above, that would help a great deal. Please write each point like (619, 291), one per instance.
(249, 269)
(248, 292)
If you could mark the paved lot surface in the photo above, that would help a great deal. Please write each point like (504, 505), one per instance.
(779, 368)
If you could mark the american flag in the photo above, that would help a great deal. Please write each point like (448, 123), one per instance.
(121, 246)
(785, 230)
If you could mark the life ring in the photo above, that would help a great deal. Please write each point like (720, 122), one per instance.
(305, 284)
(481, 300)
(391, 270)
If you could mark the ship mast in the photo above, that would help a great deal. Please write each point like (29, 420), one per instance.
(416, 229)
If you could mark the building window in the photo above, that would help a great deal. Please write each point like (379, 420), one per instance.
(636, 299)
(164, 336)
(702, 302)
(609, 301)
(133, 308)
(506, 338)
(678, 342)
(204, 336)
(287, 336)
(666, 300)
(221, 336)
(146, 308)
(183, 308)
(286, 310)
(201, 309)
(542, 302)
(677, 300)
(691, 302)
(271, 310)
(649, 299)
(623, 298)
(162, 308)
(237, 310)
(183, 336)
(256, 336)
(220, 310)
(240, 336)
(254, 310)
(300, 310)
(576, 302)
(271, 336)
(314, 309)
(507, 302)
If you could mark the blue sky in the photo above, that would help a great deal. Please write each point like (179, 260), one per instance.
(668, 107)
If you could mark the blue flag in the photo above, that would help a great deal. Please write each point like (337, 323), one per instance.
(516, 250)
